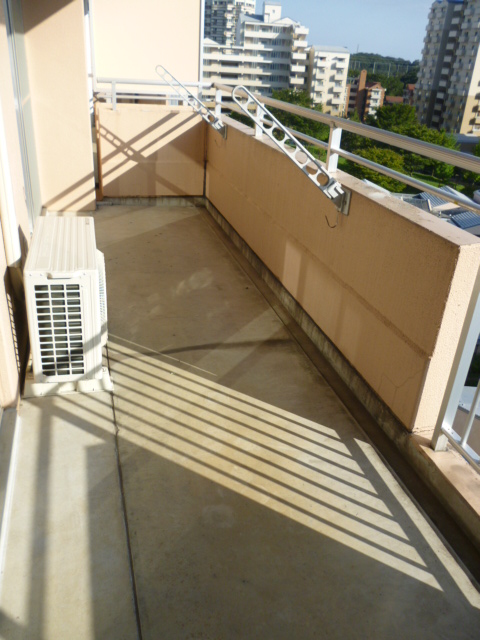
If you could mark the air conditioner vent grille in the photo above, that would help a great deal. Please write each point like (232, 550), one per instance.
(60, 329)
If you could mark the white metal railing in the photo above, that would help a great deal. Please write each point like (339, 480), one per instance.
(334, 150)
(467, 439)
(113, 89)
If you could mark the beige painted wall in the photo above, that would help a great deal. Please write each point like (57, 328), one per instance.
(131, 38)
(389, 285)
(13, 337)
(9, 374)
(150, 150)
(56, 58)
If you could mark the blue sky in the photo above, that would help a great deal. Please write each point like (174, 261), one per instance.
(389, 27)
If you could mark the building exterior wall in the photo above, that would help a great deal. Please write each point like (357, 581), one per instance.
(447, 93)
(327, 78)
(57, 71)
(389, 287)
(150, 151)
(9, 365)
(53, 44)
(130, 40)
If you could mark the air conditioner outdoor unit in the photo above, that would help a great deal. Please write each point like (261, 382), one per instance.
(66, 307)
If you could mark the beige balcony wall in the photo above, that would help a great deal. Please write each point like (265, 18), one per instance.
(56, 60)
(131, 38)
(388, 285)
(149, 150)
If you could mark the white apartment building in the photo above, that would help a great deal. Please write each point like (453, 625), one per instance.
(327, 78)
(221, 18)
(271, 54)
(447, 94)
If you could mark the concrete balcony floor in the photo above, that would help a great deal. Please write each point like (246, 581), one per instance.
(223, 491)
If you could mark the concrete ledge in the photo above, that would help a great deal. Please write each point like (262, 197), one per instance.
(450, 478)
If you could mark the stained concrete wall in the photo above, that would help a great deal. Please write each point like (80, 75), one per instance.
(57, 71)
(150, 150)
(389, 285)
(130, 39)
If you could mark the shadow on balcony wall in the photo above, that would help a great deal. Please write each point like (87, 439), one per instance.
(388, 286)
(149, 150)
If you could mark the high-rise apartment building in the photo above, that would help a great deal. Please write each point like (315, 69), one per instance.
(271, 54)
(221, 18)
(327, 78)
(447, 94)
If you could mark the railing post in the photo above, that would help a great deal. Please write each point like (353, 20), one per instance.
(218, 103)
(334, 144)
(258, 129)
(114, 95)
(458, 373)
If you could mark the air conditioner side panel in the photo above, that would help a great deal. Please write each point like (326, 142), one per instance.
(92, 327)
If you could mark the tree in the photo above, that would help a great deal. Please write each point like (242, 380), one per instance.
(394, 117)
(402, 119)
(392, 84)
(298, 123)
(469, 176)
(385, 157)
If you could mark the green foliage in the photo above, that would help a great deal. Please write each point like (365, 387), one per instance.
(303, 125)
(469, 176)
(394, 117)
(370, 58)
(401, 119)
(385, 157)
(392, 84)
(410, 77)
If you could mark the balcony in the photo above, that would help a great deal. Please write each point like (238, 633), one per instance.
(232, 450)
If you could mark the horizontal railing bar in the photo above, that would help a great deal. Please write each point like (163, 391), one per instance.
(233, 107)
(441, 154)
(466, 451)
(141, 96)
(159, 83)
(309, 139)
(412, 182)
(297, 134)
(391, 173)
